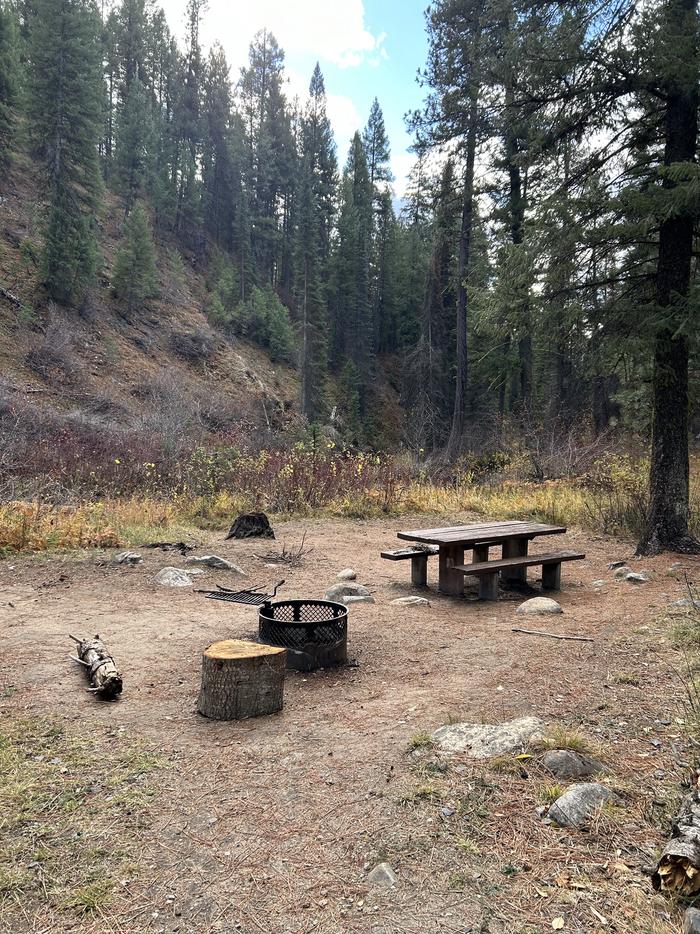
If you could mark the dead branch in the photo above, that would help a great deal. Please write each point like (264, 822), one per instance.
(102, 671)
(553, 635)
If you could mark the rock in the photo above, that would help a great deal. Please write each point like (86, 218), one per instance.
(683, 603)
(578, 804)
(691, 921)
(615, 564)
(172, 577)
(411, 601)
(599, 583)
(565, 763)
(130, 558)
(539, 606)
(383, 875)
(349, 593)
(485, 740)
(251, 525)
(347, 575)
(637, 577)
(219, 564)
(622, 571)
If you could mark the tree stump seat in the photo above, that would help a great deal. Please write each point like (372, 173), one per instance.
(241, 679)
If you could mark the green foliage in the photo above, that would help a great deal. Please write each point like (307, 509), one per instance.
(9, 77)
(265, 320)
(134, 278)
(65, 113)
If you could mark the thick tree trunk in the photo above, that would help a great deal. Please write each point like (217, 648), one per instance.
(241, 679)
(455, 444)
(667, 525)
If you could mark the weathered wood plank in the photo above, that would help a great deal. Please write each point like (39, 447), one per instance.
(488, 567)
(468, 537)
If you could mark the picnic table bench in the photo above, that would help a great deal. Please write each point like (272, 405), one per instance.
(513, 537)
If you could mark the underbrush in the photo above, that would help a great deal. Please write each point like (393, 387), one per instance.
(130, 499)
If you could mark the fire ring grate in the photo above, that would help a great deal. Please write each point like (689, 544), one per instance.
(314, 632)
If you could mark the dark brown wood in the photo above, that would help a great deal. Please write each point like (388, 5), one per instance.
(403, 554)
(450, 581)
(104, 675)
(469, 535)
(241, 679)
(551, 576)
(486, 567)
(488, 586)
(514, 548)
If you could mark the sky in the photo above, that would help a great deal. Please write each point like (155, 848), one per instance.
(366, 49)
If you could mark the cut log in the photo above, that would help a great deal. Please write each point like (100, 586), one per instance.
(241, 679)
(678, 870)
(251, 525)
(94, 656)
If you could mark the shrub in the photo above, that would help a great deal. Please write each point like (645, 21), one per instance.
(265, 320)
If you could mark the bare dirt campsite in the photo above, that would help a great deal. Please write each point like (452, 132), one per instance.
(141, 815)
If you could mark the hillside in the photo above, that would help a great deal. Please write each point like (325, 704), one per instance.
(164, 368)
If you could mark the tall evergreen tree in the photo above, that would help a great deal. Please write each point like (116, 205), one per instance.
(65, 111)
(376, 146)
(134, 278)
(9, 77)
(135, 144)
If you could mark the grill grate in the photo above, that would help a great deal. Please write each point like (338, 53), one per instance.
(250, 597)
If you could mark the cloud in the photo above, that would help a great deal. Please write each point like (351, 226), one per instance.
(336, 32)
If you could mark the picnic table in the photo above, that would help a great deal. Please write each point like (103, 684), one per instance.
(513, 537)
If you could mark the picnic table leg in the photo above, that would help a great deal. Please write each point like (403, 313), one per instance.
(451, 581)
(514, 548)
(481, 553)
(419, 569)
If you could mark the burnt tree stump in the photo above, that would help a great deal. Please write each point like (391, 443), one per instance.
(241, 679)
(251, 525)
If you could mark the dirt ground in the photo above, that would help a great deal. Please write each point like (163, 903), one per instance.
(272, 824)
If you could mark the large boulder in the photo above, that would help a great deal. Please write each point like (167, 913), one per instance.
(579, 804)
(539, 606)
(486, 740)
(567, 764)
(348, 593)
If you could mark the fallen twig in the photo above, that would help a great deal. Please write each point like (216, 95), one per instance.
(553, 635)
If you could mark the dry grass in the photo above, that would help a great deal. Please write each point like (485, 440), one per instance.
(69, 818)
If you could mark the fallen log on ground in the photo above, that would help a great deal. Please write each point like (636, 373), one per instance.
(678, 869)
(104, 675)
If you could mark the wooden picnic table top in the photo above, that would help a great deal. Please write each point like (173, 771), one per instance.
(481, 532)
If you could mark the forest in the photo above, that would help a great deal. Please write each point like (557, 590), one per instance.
(540, 270)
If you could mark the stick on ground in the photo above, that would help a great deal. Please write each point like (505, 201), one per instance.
(553, 635)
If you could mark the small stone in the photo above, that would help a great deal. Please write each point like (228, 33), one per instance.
(691, 921)
(130, 558)
(615, 564)
(622, 571)
(172, 577)
(215, 562)
(598, 583)
(411, 601)
(565, 763)
(383, 876)
(486, 740)
(579, 803)
(637, 577)
(347, 575)
(349, 593)
(683, 603)
(539, 606)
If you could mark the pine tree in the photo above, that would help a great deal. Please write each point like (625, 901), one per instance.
(135, 144)
(134, 278)
(65, 114)
(9, 77)
(376, 146)
(218, 176)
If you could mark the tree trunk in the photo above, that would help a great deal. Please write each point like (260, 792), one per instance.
(241, 679)
(667, 524)
(455, 442)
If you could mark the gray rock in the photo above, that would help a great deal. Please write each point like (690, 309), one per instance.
(565, 763)
(383, 876)
(615, 564)
(683, 603)
(172, 577)
(637, 577)
(215, 562)
(411, 601)
(485, 740)
(691, 921)
(347, 601)
(578, 804)
(622, 571)
(347, 575)
(539, 606)
(600, 583)
(339, 593)
(130, 558)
